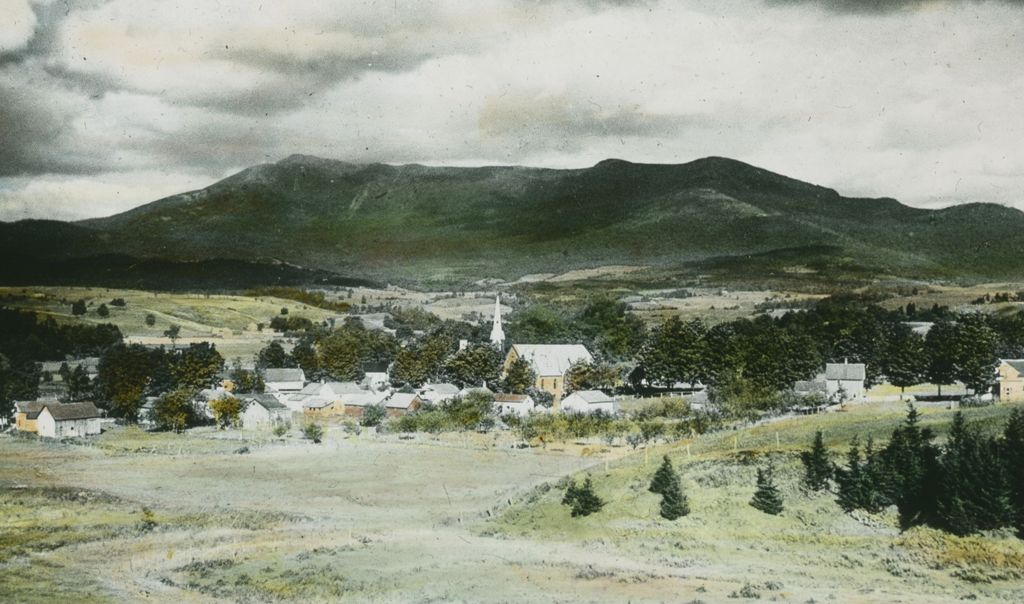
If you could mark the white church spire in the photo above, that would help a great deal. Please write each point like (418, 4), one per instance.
(497, 333)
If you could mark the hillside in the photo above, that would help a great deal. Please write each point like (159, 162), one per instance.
(420, 224)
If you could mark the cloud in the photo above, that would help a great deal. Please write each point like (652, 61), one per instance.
(887, 6)
(916, 104)
(17, 26)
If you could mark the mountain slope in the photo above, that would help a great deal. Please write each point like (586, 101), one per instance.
(419, 223)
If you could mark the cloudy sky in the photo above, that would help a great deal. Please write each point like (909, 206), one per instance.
(106, 104)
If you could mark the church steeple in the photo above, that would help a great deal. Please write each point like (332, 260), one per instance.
(497, 333)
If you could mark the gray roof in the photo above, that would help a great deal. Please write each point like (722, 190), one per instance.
(267, 401)
(844, 371)
(592, 397)
(441, 388)
(511, 398)
(31, 409)
(401, 400)
(364, 399)
(72, 411)
(552, 359)
(283, 374)
(810, 387)
(1017, 364)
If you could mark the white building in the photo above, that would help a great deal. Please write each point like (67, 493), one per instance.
(284, 379)
(497, 332)
(514, 404)
(68, 420)
(320, 394)
(847, 378)
(263, 411)
(437, 393)
(589, 401)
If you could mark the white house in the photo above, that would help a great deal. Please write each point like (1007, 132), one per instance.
(283, 379)
(438, 393)
(262, 411)
(67, 420)
(847, 378)
(320, 394)
(588, 401)
(514, 404)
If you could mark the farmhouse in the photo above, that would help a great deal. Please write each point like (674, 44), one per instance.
(589, 401)
(514, 404)
(401, 403)
(27, 412)
(262, 411)
(847, 378)
(64, 420)
(318, 395)
(1010, 379)
(549, 362)
(283, 379)
(438, 393)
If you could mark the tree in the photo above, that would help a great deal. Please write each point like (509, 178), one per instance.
(18, 381)
(905, 359)
(1013, 462)
(767, 497)
(103, 311)
(273, 355)
(675, 352)
(974, 494)
(674, 503)
(474, 366)
(78, 383)
(582, 500)
(590, 376)
(863, 482)
(226, 411)
(941, 345)
(150, 320)
(196, 367)
(912, 462)
(78, 307)
(662, 476)
(313, 432)
(817, 467)
(284, 310)
(172, 334)
(519, 377)
(125, 373)
(975, 353)
(174, 410)
(246, 381)
(373, 415)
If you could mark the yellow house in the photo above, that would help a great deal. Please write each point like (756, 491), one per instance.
(1010, 379)
(26, 413)
(549, 362)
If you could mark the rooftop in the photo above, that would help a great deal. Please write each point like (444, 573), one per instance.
(71, 411)
(552, 359)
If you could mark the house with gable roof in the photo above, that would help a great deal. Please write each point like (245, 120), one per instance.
(549, 362)
(1010, 380)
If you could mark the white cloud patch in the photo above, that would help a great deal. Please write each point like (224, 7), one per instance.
(916, 104)
(17, 25)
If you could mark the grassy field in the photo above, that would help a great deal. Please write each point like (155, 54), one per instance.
(245, 517)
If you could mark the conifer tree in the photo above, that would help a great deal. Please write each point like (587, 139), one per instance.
(662, 477)
(767, 497)
(975, 494)
(582, 500)
(913, 461)
(817, 467)
(1013, 464)
(674, 503)
(862, 482)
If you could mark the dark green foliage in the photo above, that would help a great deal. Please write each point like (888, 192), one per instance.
(1013, 462)
(290, 324)
(78, 307)
(674, 504)
(78, 384)
(864, 482)
(975, 494)
(905, 358)
(24, 336)
(284, 310)
(150, 320)
(175, 411)
(817, 466)
(474, 366)
(103, 311)
(912, 460)
(675, 352)
(519, 377)
(591, 376)
(582, 500)
(196, 367)
(246, 381)
(273, 355)
(373, 415)
(18, 381)
(767, 497)
(118, 302)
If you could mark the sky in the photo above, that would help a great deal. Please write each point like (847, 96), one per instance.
(108, 104)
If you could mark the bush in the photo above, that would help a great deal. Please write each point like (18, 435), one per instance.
(582, 500)
(373, 415)
(313, 432)
(281, 428)
(150, 320)
(103, 311)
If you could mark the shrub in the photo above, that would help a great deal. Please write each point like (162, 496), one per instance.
(313, 432)
(582, 500)
(767, 497)
(281, 428)
(373, 415)
(103, 311)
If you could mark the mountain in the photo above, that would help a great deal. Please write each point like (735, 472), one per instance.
(420, 224)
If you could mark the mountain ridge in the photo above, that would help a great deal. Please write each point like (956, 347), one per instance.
(421, 223)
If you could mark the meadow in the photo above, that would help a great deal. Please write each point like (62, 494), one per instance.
(230, 516)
